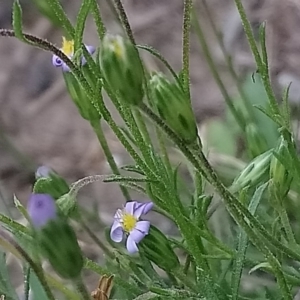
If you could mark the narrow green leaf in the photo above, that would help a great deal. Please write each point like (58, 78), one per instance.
(262, 36)
(135, 187)
(63, 18)
(259, 266)
(243, 245)
(117, 178)
(131, 168)
(17, 22)
(97, 18)
(286, 107)
(80, 23)
(27, 275)
(21, 208)
(158, 55)
(5, 284)
(37, 289)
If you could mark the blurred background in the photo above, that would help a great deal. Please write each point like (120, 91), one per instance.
(39, 124)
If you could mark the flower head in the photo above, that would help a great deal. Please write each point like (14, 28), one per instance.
(122, 68)
(128, 221)
(43, 172)
(68, 49)
(41, 209)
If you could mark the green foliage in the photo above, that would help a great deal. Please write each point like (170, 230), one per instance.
(224, 237)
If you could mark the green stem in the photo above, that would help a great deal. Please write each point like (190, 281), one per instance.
(96, 240)
(124, 20)
(208, 57)
(110, 159)
(27, 274)
(286, 225)
(228, 59)
(263, 70)
(184, 279)
(186, 46)
(34, 266)
(81, 288)
(98, 20)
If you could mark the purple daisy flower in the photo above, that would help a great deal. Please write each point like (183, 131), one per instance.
(41, 209)
(68, 49)
(128, 221)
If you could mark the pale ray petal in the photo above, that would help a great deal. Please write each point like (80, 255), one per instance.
(131, 245)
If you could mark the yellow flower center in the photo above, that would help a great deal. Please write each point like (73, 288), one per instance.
(128, 222)
(67, 47)
(117, 48)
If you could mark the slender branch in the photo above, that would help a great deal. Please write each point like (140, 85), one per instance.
(186, 46)
(35, 267)
(208, 57)
(110, 159)
(263, 69)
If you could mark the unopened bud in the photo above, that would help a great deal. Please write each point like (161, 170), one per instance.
(122, 68)
(55, 236)
(256, 171)
(86, 109)
(281, 176)
(174, 107)
(68, 205)
(157, 249)
(49, 182)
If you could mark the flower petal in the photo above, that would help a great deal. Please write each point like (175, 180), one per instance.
(43, 172)
(136, 235)
(91, 49)
(65, 67)
(56, 61)
(130, 207)
(143, 226)
(147, 207)
(116, 232)
(142, 209)
(131, 245)
(41, 209)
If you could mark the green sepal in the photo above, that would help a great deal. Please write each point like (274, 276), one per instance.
(59, 245)
(122, 68)
(174, 107)
(54, 185)
(86, 109)
(157, 248)
(68, 206)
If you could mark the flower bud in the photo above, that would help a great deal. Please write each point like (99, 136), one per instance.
(281, 176)
(122, 68)
(78, 95)
(255, 172)
(256, 142)
(174, 107)
(157, 249)
(55, 236)
(49, 182)
(68, 205)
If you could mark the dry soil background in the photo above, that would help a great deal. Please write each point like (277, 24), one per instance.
(40, 125)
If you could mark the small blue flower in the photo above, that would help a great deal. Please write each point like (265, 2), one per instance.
(43, 172)
(41, 209)
(68, 49)
(128, 221)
